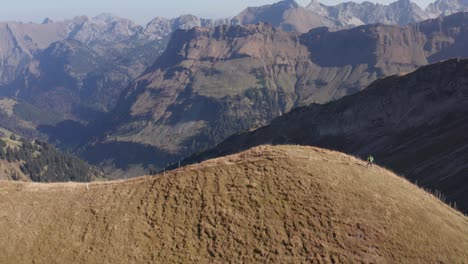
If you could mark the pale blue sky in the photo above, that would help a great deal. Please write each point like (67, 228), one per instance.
(140, 11)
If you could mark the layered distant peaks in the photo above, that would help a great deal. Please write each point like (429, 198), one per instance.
(102, 28)
(351, 14)
(160, 27)
(447, 7)
(287, 15)
(290, 16)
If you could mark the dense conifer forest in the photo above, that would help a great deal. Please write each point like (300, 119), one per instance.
(42, 162)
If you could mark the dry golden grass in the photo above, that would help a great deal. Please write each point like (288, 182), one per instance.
(284, 204)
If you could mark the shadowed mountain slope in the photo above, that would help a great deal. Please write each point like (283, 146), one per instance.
(269, 204)
(414, 124)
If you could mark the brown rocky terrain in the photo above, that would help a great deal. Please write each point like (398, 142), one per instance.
(212, 83)
(414, 124)
(285, 204)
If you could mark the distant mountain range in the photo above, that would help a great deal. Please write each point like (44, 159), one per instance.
(107, 71)
(80, 66)
(77, 68)
(290, 16)
(212, 83)
(447, 7)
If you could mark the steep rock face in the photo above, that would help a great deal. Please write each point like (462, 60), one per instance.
(78, 81)
(202, 87)
(414, 124)
(211, 83)
(445, 36)
(160, 27)
(20, 41)
(53, 79)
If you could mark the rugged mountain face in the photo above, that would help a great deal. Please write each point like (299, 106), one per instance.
(211, 83)
(290, 16)
(160, 27)
(351, 14)
(414, 124)
(49, 64)
(287, 15)
(447, 7)
(105, 34)
(20, 41)
(202, 88)
(78, 68)
(76, 81)
(268, 205)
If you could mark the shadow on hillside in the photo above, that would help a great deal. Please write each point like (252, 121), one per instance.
(67, 134)
(126, 154)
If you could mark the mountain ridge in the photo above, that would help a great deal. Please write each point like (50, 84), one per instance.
(268, 204)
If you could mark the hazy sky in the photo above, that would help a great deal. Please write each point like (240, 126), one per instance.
(140, 11)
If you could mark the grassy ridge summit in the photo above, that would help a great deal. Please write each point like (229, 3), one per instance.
(270, 204)
(414, 124)
(212, 83)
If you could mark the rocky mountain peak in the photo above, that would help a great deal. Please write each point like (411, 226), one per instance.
(316, 7)
(402, 3)
(104, 28)
(107, 18)
(47, 21)
(287, 4)
(211, 44)
(160, 27)
(187, 21)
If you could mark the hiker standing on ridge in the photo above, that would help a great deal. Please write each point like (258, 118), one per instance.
(370, 161)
